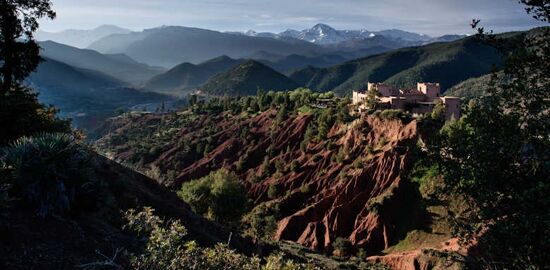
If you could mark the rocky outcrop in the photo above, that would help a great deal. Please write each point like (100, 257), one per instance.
(449, 255)
(361, 203)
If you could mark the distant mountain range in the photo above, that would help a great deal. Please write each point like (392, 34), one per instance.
(324, 35)
(168, 46)
(80, 38)
(119, 66)
(185, 77)
(448, 63)
(173, 45)
(86, 96)
(76, 80)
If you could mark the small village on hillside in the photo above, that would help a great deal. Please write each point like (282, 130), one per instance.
(419, 101)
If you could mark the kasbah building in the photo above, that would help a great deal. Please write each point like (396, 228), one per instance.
(419, 101)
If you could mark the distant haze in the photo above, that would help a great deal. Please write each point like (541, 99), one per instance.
(431, 17)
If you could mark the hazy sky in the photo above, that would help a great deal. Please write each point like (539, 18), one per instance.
(433, 17)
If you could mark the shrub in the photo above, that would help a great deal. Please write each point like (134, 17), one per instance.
(49, 172)
(358, 163)
(305, 188)
(272, 192)
(342, 247)
(263, 221)
(266, 168)
(280, 166)
(220, 196)
(317, 157)
(168, 248)
(389, 114)
(294, 166)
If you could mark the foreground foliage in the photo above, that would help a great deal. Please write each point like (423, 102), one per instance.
(48, 172)
(219, 195)
(167, 248)
(20, 112)
(498, 156)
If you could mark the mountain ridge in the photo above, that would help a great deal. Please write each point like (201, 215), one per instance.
(324, 34)
(173, 45)
(246, 79)
(447, 63)
(120, 66)
(86, 96)
(80, 38)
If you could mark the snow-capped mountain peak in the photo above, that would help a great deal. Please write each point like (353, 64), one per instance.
(324, 34)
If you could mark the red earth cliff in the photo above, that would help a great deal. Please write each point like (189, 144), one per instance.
(348, 185)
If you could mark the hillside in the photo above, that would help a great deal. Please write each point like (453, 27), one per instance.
(96, 228)
(246, 79)
(313, 175)
(293, 62)
(220, 64)
(184, 77)
(178, 79)
(121, 67)
(173, 45)
(446, 63)
(472, 88)
(84, 95)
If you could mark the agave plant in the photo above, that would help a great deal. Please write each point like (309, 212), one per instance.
(47, 171)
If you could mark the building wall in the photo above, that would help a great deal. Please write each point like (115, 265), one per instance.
(359, 97)
(452, 107)
(431, 90)
(422, 108)
(421, 102)
(384, 89)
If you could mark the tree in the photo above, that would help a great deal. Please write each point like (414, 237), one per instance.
(22, 115)
(497, 154)
(325, 123)
(20, 112)
(439, 110)
(19, 52)
(219, 195)
(372, 94)
(281, 115)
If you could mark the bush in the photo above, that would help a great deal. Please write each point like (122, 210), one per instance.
(220, 196)
(294, 166)
(168, 248)
(262, 221)
(305, 188)
(317, 157)
(389, 114)
(358, 163)
(49, 172)
(272, 192)
(342, 247)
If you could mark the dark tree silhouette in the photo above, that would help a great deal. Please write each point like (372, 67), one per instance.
(498, 154)
(19, 52)
(20, 112)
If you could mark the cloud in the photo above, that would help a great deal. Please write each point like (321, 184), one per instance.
(434, 17)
